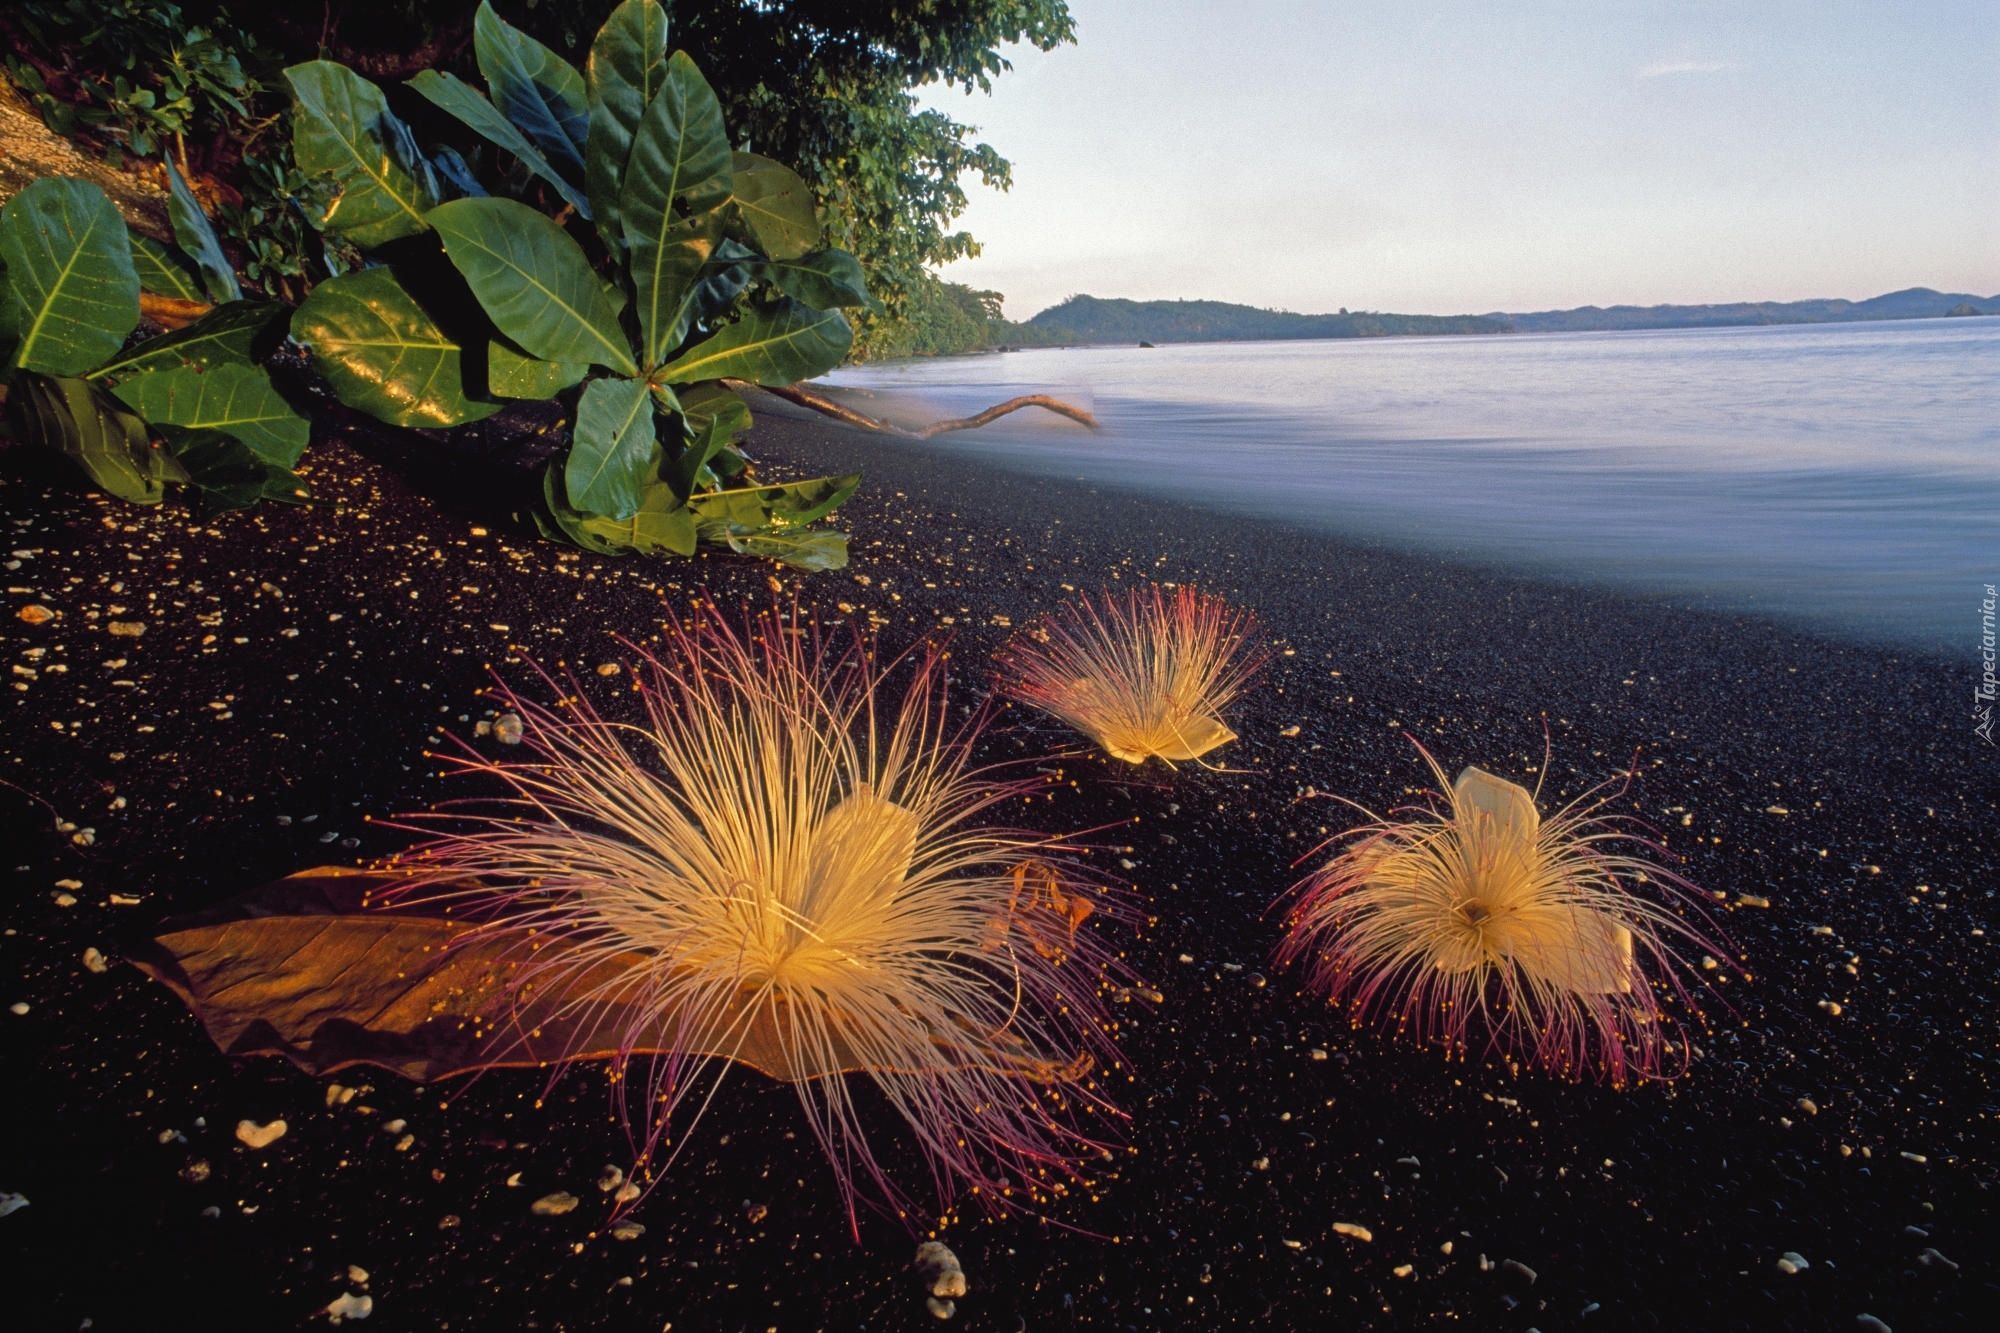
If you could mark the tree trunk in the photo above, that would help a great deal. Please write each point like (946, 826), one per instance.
(29, 150)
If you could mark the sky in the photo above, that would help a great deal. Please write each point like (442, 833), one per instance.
(1449, 158)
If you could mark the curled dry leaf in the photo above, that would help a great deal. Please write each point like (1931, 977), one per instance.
(314, 967)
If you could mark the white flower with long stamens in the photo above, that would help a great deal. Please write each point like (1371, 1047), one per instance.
(768, 872)
(1484, 915)
(1143, 675)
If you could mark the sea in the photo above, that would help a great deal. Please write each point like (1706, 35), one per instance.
(1842, 478)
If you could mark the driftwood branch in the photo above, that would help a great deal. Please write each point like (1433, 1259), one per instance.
(792, 393)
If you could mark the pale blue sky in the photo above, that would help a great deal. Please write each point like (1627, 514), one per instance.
(1451, 157)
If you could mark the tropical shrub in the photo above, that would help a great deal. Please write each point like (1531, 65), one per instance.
(599, 244)
(195, 407)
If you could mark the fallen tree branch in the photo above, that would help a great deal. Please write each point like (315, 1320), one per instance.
(792, 393)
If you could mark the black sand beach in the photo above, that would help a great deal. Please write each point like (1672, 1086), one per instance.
(295, 665)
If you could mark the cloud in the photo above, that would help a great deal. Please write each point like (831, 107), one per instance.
(1661, 68)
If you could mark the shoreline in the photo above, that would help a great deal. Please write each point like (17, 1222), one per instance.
(397, 602)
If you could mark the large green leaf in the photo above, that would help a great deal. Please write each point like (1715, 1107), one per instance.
(536, 88)
(533, 282)
(451, 94)
(628, 65)
(680, 154)
(384, 354)
(164, 270)
(781, 346)
(341, 126)
(240, 333)
(71, 295)
(715, 404)
(775, 205)
(198, 239)
(667, 270)
(816, 549)
(613, 453)
(568, 520)
(792, 505)
(81, 421)
(236, 400)
(227, 474)
(662, 526)
(824, 278)
(512, 373)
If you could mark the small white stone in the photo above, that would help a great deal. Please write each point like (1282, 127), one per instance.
(611, 1179)
(1808, 1105)
(628, 1230)
(18, 1008)
(357, 1275)
(1791, 1261)
(940, 1309)
(1354, 1229)
(350, 1306)
(253, 1135)
(553, 1205)
(11, 1202)
(1404, 1270)
(940, 1268)
(1831, 1008)
(93, 960)
(394, 1126)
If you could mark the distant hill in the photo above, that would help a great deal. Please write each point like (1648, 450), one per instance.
(1912, 303)
(1097, 320)
(1093, 319)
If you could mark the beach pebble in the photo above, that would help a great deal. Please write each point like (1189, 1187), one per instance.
(1930, 1258)
(11, 1202)
(1830, 1007)
(1354, 1229)
(1404, 1270)
(357, 1275)
(93, 960)
(18, 1008)
(507, 728)
(127, 629)
(1808, 1105)
(394, 1126)
(612, 1178)
(253, 1135)
(1518, 1269)
(939, 1268)
(628, 1230)
(35, 615)
(1791, 1261)
(1752, 900)
(553, 1205)
(348, 1306)
(939, 1307)
(1290, 731)
(609, 669)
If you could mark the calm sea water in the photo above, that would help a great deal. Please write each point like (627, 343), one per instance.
(1841, 476)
